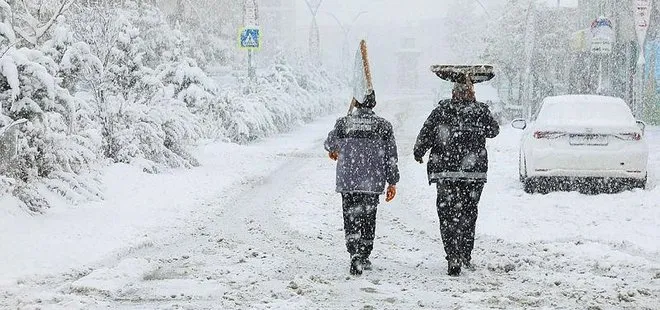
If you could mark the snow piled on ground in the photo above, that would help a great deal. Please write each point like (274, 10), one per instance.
(139, 208)
(258, 227)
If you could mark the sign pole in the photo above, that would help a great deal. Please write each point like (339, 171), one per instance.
(642, 14)
(602, 38)
(251, 71)
(250, 37)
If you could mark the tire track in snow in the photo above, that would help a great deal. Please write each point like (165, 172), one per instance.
(253, 189)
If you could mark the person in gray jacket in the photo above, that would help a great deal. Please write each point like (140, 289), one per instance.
(365, 150)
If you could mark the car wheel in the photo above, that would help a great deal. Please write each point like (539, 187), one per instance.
(640, 183)
(545, 185)
(529, 185)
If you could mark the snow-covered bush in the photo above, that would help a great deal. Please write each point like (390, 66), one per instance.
(128, 84)
(153, 136)
(49, 153)
(185, 81)
(284, 96)
(76, 61)
(140, 99)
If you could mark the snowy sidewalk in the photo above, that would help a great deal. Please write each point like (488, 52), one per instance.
(139, 208)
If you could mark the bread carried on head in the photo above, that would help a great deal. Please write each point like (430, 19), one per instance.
(464, 78)
(464, 74)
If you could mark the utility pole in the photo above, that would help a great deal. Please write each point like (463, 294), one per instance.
(314, 37)
(642, 14)
(529, 53)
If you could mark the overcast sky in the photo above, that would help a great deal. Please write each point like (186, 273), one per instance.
(388, 11)
(380, 11)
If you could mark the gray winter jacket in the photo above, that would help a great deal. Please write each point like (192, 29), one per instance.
(367, 153)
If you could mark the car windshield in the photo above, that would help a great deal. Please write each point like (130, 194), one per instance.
(578, 111)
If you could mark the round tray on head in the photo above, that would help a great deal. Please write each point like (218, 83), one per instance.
(459, 73)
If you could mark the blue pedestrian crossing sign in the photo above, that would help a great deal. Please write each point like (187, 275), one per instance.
(250, 38)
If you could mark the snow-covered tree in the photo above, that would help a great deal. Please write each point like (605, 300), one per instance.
(33, 20)
(76, 61)
(142, 110)
(129, 84)
(48, 150)
(528, 35)
(506, 47)
(287, 95)
(466, 27)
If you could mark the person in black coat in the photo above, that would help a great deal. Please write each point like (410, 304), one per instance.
(456, 133)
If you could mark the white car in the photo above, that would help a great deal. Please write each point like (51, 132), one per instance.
(578, 138)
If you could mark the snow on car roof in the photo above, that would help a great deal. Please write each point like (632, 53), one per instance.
(585, 110)
(586, 99)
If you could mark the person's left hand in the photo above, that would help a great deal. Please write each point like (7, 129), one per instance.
(333, 155)
(391, 193)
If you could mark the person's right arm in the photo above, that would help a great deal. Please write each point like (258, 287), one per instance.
(492, 127)
(332, 142)
(426, 137)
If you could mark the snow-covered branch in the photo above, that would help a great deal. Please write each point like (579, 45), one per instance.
(35, 30)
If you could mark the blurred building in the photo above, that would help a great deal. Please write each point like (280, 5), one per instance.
(407, 64)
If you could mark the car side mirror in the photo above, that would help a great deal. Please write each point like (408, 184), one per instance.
(642, 126)
(519, 123)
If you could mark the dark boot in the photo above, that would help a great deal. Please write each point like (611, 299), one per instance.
(356, 265)
(366, 263)
(454, 267)
(467, 264)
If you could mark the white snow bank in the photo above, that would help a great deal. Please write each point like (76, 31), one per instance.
(139, 208)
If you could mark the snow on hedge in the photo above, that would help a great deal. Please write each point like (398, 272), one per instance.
(108, 84)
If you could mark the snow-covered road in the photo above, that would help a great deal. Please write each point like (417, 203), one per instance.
(259, 227)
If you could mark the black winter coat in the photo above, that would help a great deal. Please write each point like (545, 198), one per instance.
(456, 133)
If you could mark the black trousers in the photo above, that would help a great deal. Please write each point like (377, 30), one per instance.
(457, 205)
(360, 222)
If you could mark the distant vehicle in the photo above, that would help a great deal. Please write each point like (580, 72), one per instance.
(582, 140)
